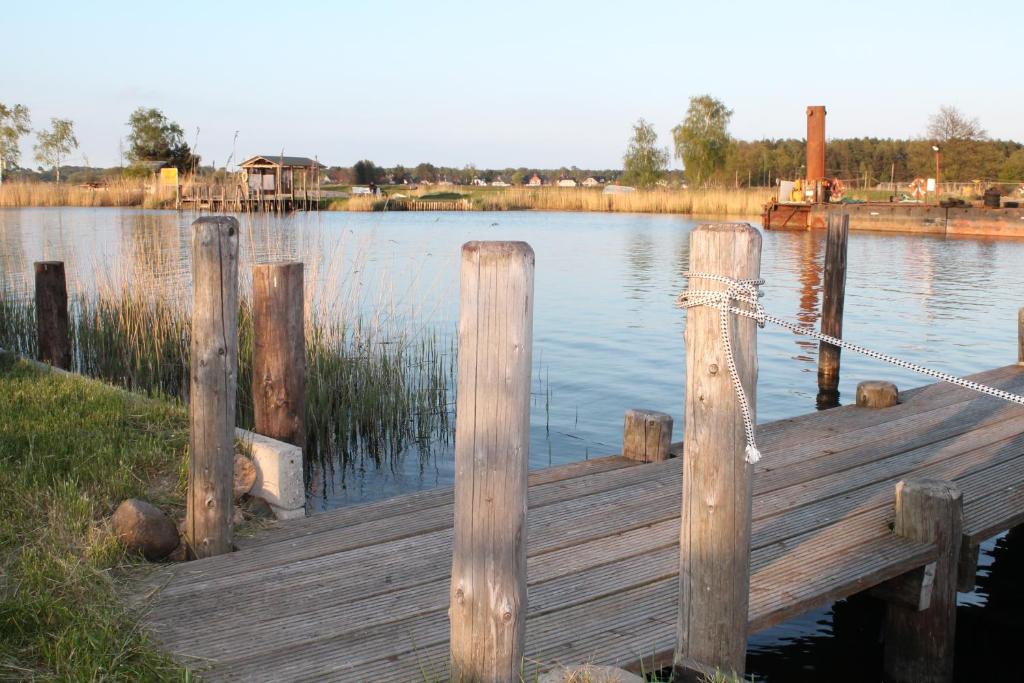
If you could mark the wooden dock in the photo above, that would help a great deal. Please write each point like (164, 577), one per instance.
(362, 593)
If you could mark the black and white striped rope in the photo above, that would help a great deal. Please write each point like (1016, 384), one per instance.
(742, 297)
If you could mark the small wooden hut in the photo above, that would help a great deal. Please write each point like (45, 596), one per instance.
(280, 182)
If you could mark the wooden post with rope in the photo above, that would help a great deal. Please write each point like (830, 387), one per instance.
(714, 576)
(214, 377)
(833, 298)
(492, 445)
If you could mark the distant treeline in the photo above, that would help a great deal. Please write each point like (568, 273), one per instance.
(877, 160)
(748, 163)
(759, 163)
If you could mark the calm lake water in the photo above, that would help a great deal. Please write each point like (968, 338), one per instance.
(607, 337)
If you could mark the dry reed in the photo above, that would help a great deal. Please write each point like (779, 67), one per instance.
(117, 193)
(745, 202)
(742, 202)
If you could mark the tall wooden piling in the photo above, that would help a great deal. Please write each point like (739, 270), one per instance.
(714, 577)
(1020, 336)
(54, 342)
(214, 382)
(279, 352)
(492, 445)
(919, 644)
(833, 299)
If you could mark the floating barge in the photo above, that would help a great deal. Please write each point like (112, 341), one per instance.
(930, 219)
(936, 218)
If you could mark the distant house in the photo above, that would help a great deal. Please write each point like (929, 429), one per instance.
(276, 175)
(361, 189)
(567, 182)
(591, 182)
(500, 183)
(480, 182)
(618, 189)
(535, 181)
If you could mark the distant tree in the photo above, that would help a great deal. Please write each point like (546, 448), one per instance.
(54, 145)
(152, 137)
(949, 123)
(1013, 168)
(14, 123)
(518, 178)
(340, 175)
(425, 173)
(365, 172)
(702, 139)
(644, 162)
(960, 139)
(399, 174)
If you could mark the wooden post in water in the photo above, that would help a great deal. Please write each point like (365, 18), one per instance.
(1020, 336)
(714, 577)
(833, 297)
(492, 445)
(919, 644)
(279, 352)
(52, 314)
(214, 382)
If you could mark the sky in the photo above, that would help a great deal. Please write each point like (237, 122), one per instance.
(501, 84)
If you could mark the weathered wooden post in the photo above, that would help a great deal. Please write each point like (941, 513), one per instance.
(714, 576)
(919, 644)
(279, 352)
(1020, 336)
(214, 382)
(646, 435)
(833, 298)
(52, 314)
(492, 445)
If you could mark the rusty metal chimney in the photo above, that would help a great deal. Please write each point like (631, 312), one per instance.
(815, 144)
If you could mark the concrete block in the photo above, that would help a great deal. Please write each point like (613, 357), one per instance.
(283, 514)
(278, 471)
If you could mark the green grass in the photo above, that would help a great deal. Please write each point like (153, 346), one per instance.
(443, 196)
(70, 451)
(374, 391)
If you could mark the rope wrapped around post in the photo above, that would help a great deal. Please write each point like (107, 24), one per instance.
(742, 298)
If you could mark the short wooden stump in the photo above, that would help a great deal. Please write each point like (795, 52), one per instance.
(877, 394)
(646, 435)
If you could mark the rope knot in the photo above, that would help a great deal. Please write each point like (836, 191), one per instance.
(740, 297)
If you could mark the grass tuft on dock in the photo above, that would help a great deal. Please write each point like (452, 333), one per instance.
(70, 451)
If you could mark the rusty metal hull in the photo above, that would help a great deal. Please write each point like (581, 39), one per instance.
(910, 218)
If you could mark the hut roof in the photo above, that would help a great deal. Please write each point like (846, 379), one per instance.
(278, 160)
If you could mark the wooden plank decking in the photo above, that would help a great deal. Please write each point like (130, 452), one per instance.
(361, 594)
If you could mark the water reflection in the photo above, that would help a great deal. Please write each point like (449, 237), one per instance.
(843, 644)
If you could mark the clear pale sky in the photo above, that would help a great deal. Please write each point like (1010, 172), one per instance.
(501, 84)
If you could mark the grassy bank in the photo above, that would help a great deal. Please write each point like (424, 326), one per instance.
(70, 451)
(375, 388)
(744, 202)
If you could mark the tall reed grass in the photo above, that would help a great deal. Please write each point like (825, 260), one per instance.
(117, 193)
(742, 202)
(746, 202)
(378, 386)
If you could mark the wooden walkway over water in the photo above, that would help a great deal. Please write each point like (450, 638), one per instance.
(362, 593)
